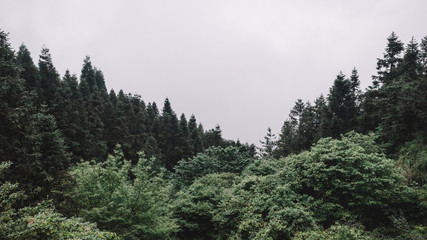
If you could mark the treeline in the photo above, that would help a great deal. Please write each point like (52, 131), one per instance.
(78, 162)
(394, 106)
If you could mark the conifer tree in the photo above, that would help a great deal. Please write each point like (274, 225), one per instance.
(168, 137)
(196, 140)
(285, 144)
(49, 78)
(29, 72)
(388, 66)
(72, 118)
(213, 137)
(342, 106)
(269, 144)
(184, 138)
(88, 73)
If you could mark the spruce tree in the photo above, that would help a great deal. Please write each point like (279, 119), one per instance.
(196, 140)
(29, 72)
(387, 67)
(49, 78)
(268, 146)
(168, 137)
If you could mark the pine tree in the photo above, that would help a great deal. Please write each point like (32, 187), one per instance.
(49, 79)
(29, 72)
(285, 144)
(423, 56)
(213, 137)
(342, 106)
(307, 128)
(99, 79)
(168, 137)
(388, 66)
(322, 118)
(88, 73)
(184, 138)
(72, 118)
(269, 144)
(196, 140)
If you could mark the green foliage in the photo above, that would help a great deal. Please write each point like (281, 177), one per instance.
(347, 176)
(335, 232)
(212, 160)
(129, 200)
(413, 161)
(263, 207)
(40, 221)
(196, 206)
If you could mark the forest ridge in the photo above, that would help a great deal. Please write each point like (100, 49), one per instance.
(79, 162)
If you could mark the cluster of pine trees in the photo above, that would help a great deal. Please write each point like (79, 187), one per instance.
(77, 162)
(395, 105)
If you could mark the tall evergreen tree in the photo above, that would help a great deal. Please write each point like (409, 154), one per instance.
(184, 138)
(88, 73)
(29, 72)
(213, 137)
(285, 144)
(342, 106)
(268, 146)
(49, 78)
(168, 137)
(72, 118)
(388, 66)
(196, 140)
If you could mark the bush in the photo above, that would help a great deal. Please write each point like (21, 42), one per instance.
(129, 200)
(349, 178)
(212, 160)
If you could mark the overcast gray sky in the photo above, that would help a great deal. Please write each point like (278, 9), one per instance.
(239, 64)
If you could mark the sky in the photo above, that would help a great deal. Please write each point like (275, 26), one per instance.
(240, 64)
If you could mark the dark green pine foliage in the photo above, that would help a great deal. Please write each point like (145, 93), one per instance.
(421, 86)
(307, 128)
(322, 118)
(124, 114)
(49, 78)
(99, 80)
(374, 98)
(289, 138)
(342, 105)
(49, 156)
(423, 56)
(213, 137)
(152, 126)
(15, 107)
(95, 101)
(269, 144)
(29, 139)
(195, 138)
(286, 140)
(137, 126)
(88, 73)
(402, 99)
(296, 111)
(110, 128)
(29, 72)
(72, 119)
(387, 67)
(184, 138)
(168, 137)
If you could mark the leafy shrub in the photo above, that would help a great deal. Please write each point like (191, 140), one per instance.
(196, 206)
(129, 200)
(335, 232)
(212, 160)
(349, 178)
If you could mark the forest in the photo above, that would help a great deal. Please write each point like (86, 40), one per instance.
(80, 162)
